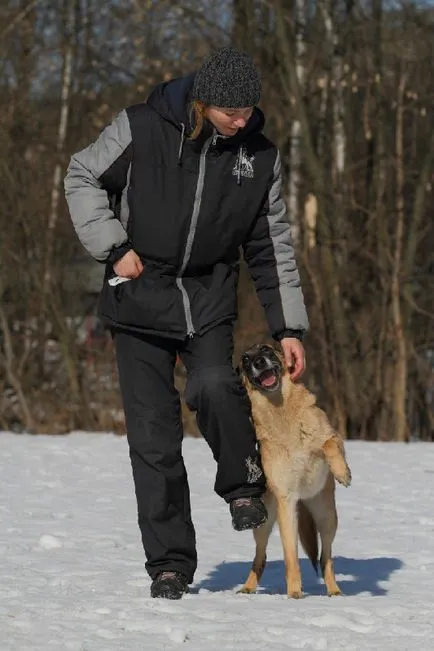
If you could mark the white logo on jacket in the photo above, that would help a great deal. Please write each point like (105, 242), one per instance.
(244, 164)
(254, 473)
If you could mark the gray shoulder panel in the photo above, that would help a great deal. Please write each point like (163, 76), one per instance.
(110, 145)
(94, 222)
(294, 310)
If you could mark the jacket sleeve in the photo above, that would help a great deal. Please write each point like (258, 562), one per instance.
(94, 174)
(269, 253)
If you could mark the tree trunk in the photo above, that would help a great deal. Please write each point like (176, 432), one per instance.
(70, 8)
(295, 144)
(400, 375)
(9, 363)
(335, 317)
(243, 25)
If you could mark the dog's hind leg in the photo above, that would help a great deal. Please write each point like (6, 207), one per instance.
(308, 534)
(333, 450)
(323, 510)
(261, 534)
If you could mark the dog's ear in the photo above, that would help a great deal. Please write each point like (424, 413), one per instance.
(281, 357)
(243, 377)
(275, 345)
(278, 350)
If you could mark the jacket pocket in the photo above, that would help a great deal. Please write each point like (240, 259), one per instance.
(148, 303)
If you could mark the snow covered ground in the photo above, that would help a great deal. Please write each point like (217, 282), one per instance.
(71, 563)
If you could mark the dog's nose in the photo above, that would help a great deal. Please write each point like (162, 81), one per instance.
(260, 363)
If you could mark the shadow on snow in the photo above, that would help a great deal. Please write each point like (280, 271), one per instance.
(353, 575)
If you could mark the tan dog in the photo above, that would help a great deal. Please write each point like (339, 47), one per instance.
(301, 456)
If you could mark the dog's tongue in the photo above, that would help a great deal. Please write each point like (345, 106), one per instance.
(268, 378)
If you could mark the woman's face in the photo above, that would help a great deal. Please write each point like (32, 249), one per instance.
(227, 121)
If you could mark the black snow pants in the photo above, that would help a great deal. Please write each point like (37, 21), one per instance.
(154, 428)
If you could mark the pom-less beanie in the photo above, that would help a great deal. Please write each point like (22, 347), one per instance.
(228, 78)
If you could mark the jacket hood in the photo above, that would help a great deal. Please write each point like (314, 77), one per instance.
(171, 99)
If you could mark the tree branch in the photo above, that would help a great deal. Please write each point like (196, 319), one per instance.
(18, 18)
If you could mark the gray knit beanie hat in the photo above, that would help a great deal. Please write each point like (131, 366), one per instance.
(228, 78)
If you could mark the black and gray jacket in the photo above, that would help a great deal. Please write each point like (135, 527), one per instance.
(186, 207)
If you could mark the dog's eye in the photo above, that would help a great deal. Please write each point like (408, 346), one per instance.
(245, 360)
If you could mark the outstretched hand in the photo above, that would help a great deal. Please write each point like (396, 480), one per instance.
(293, 352)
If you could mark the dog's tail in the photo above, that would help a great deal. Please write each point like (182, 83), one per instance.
(308, 534)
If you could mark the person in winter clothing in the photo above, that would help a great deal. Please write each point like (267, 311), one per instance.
(166, 197)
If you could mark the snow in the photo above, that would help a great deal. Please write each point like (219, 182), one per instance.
(72, 574)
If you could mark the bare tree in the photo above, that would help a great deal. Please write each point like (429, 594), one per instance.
(347, 92)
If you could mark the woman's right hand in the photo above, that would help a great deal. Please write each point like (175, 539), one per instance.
(129, 266)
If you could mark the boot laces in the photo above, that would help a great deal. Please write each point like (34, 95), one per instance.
(167, 575)
(243, 501)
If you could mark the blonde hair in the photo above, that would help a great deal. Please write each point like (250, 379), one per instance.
(197, 117)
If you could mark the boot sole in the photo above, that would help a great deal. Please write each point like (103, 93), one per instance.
(170, 595)
(248, 524)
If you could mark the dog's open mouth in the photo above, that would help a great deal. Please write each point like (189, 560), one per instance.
(262, 368)
(268, 379)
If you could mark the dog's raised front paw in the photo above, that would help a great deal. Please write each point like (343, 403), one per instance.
(345, 479)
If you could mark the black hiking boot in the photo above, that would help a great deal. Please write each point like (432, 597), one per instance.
(248, 513)
(169, 585)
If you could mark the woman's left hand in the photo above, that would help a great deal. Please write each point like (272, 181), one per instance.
(293, 352)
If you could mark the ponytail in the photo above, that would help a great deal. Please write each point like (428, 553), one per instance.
(197, 117)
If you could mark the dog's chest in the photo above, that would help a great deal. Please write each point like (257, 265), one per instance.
(313, 479)
(298, 473)
(291, 455)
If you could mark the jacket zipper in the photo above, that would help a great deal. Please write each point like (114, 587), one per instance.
(190, 237)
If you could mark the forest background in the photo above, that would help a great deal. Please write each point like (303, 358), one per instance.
(348, 89)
